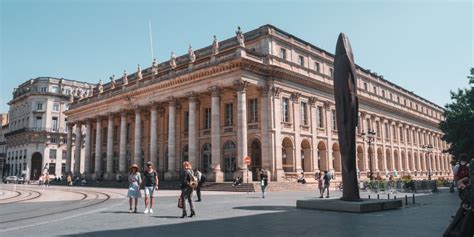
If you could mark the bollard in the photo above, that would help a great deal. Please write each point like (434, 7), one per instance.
(369, 196)
(388, 196)
(413, 198)
(378, 196)
(406, 199)
(394, 197)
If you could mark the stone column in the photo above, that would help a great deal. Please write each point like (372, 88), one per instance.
(276, 145)
(137, 148)
(217, 175)
(192, 130)
(69, 148)
(171, 173)
(87, 150)
(98, 149)
(329, 131)
(314, 132)
(110, 145)
(153, 135)
(77, 153)
(241, 87)
(296, 115)
(123, 143)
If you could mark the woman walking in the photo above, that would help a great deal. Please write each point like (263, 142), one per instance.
(263, 182)
(134, 182)
(187, 188)
(320, 183)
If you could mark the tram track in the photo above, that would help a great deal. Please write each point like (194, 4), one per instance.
(90, 193)
(18, 194)
(32, 194)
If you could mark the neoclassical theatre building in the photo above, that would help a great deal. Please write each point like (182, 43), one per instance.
(265, 94)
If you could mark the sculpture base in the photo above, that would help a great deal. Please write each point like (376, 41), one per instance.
(362, 206)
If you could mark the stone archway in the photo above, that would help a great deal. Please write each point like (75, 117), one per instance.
(396, 158)
(306, 156)
(206, 158)
(322, 156)
(388, 159)
(256, 158)
(229, 154)
(287, 155)
(36, 166)
(404, 161)
(360, 158)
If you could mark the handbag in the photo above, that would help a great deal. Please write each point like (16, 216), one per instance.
(180, 202)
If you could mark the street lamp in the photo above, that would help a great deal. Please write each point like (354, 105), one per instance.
(428, 149)
(370, 137)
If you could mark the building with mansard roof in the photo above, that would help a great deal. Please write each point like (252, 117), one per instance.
(35, 138)
(264, 94)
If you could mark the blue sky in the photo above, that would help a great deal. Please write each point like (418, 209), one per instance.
(423, 46)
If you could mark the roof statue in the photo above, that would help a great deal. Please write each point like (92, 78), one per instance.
(125, 77)
(215, 46)
(192, 56)
(112, 81)
(100, 87)
(139, 73)
(154, 67)
(240, 37)
(173, 60)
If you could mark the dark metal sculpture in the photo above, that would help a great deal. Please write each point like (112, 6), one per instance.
(347, 110)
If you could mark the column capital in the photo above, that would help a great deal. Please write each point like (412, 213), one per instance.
(327, 104)
(295, 96)
(241, 85)
(137, 109)
(214, 90)
(265, 90)
(192, 95)
(110, 115)
(312, 101)
(69, 125)
(154, 105)
(276, 91)
(172, 101)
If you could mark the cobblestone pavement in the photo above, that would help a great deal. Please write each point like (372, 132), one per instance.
(27, 210)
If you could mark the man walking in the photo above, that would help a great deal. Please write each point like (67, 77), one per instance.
(150, 184)
(201, 180)
(327, 181)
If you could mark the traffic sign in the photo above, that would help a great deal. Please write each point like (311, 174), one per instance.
(247, 160)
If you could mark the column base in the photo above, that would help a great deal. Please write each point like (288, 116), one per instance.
(109, 176)
(86, 176)
(96, 176)
(171, 175)
(244, 174)
(279, 175)
(216, 176)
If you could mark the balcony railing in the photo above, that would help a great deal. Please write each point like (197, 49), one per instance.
(36, 129)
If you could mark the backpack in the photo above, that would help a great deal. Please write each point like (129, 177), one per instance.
(193, 182)
(463, 172)
(203, 178)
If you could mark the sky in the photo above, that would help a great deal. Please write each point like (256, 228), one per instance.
(425, 46)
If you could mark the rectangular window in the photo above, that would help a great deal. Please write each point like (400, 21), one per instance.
(186, 121)
(316, 66)
(320, 117)
(253, 111)
(367, 121)
(377, 128)
(56, 107)
(331, 72)
(128, 132)
(39, 106)
(229, 114)
(391, 96)
(44, 89)
(39, 122)
(408, 136)
(207, 118)
(286, 110)
(116, 133)
(55, 89)
(334, 125)
(401, 133)
(64, 155)
(301, 60)
(283, 53)
(54, 123)
(387, 133)
(304, 113)
(52, 153)
(375, 90)
(383, 93)
(54, 140)
(366, 87)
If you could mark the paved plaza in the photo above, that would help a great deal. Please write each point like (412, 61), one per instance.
(27, 210)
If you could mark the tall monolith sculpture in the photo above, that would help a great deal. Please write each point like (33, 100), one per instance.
(347, 110)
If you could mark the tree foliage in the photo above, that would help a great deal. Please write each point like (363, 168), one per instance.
(458, 126)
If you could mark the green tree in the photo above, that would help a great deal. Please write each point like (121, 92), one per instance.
(458, 126)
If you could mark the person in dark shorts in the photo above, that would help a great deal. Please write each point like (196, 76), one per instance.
(327, 182)
(150, 185)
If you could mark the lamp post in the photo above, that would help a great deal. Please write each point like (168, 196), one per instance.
(370, 137)
(428, 149)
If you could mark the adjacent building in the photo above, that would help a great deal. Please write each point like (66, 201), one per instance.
(3, 147)
(265, 94)
(36, 136)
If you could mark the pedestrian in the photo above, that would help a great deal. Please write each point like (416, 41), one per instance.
(201, 179)
(462, 171)
(40, 180)
(134, 182)
(46, 179)
(69, 180)
(318, 178)
(263, 182)
(188, 183)
(301, 179)
(151, 184)
(327, 182)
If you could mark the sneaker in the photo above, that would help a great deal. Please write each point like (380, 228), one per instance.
(146, 211)
(151, 211)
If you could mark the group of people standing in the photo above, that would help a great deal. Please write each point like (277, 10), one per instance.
(324, 182)
(190, 181)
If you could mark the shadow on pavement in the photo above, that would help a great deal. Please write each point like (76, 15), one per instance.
(266, 208)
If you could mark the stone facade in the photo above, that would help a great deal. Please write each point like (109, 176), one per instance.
(3, 144)
(270, 98)
(36, 136)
